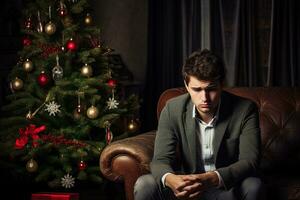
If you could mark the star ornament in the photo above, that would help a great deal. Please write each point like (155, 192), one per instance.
(67, 181)
(53, 108)
(112, 103)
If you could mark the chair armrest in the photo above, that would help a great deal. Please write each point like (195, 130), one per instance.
(127, 159)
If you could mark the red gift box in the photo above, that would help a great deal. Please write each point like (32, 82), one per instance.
(55, 196)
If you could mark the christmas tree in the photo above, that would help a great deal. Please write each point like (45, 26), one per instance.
(67, 100)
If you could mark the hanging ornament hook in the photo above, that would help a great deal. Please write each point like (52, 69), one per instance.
(40, 27)
(57, 60)
(50, 13)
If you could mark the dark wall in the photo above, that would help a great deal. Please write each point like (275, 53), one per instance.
(124, 28)
(10, 12)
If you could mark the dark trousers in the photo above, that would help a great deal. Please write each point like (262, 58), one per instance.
(146, 188)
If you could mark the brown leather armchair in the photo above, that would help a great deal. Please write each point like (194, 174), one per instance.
(125, 160)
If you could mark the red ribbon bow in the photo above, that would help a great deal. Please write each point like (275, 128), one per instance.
(31, 131)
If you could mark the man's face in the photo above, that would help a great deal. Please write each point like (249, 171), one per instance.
(204, 94)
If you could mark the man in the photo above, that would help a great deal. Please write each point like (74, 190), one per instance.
(208, 141)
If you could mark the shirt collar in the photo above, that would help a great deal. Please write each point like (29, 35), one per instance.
(213, 121)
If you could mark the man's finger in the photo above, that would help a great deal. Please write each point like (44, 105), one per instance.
(181, 186)
(194, 187)
(181, 194)
(189, 178)
(195, 195)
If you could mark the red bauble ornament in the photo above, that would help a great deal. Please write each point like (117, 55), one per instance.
(26, 41)
(82, 165)
(108, 135)
(43, 79)
(112, 83)
(71, 45)
(63, 12)
(28, 23)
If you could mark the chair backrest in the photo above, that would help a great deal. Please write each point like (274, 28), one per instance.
(279, 110)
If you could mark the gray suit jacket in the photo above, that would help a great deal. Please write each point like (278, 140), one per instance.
(236, 142)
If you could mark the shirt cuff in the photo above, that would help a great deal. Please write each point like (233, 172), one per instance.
(221, 184)
(164, 177)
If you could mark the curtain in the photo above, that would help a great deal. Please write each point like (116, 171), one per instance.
(258, 40)
(173, 33)
(234, 39)
(284, 56)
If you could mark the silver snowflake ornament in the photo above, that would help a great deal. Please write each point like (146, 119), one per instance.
(112, 103)
(68, 181)
(53, 108)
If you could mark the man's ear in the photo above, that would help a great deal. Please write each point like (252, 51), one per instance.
(186, 86)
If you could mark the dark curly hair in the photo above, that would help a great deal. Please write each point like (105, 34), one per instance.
(204, 65)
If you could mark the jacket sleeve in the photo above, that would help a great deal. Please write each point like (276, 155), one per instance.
(164, 147)
(249, 150)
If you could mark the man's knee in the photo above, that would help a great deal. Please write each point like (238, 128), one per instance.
(252, 184)
(145, 183)
(252, 188)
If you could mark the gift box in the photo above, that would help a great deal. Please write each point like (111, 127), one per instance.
(55, 196)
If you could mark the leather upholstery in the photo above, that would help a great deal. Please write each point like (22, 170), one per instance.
(279, 108)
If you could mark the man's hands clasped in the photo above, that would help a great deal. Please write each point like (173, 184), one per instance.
(191, 186)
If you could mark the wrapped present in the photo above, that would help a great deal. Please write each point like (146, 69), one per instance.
(55, 196)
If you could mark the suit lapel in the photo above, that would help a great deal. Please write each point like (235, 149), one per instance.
(190, 132)
(222, 123)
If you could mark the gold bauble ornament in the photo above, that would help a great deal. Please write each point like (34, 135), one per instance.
(92, 112)
(31, 165)
(88, 19)
(28, 65)
(77, 115)
(87, 70)
(79, 108)
(133, 126)
(50, 28)
(17, 84)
